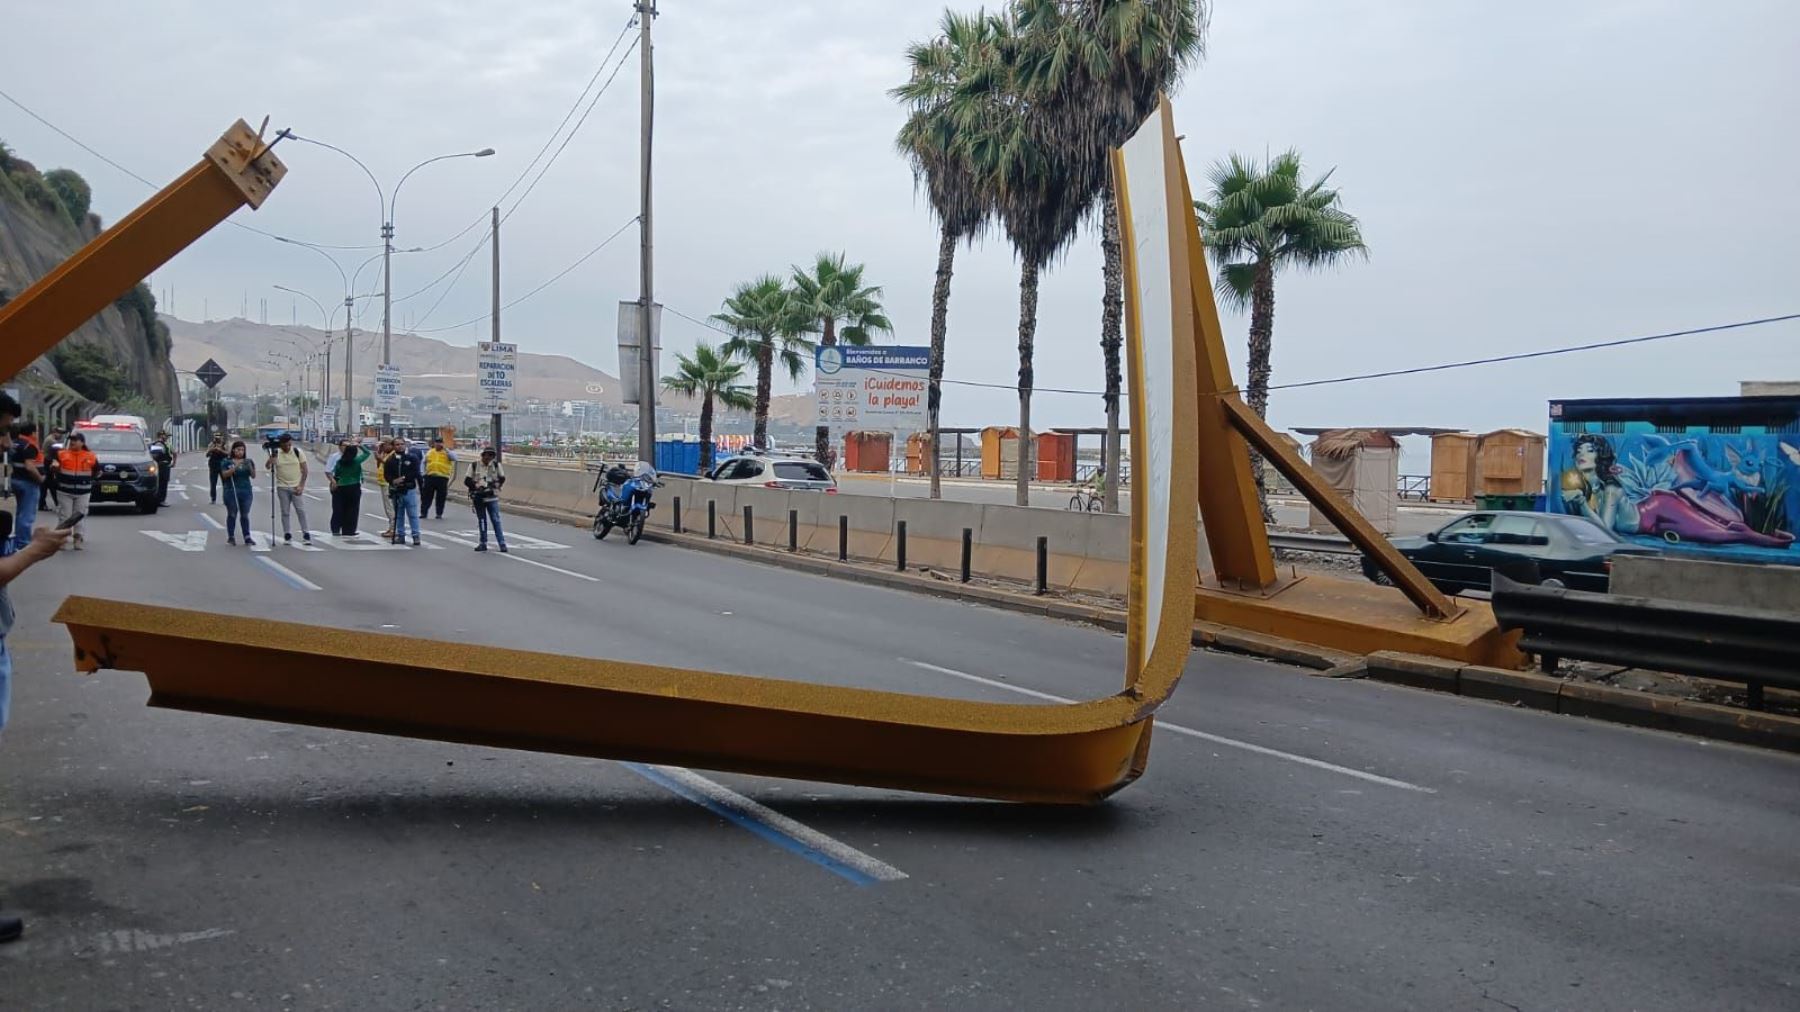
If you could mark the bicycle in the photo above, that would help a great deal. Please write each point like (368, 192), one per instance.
(1084, 501)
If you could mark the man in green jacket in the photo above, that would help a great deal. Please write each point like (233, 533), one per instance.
(346, 471)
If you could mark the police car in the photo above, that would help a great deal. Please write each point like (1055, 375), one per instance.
(126, 474)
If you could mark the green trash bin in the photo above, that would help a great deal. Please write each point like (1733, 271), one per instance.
(1505, 501)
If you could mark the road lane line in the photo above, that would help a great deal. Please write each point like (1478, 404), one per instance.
(831, 854)
(1217, 739)
(287, 574)
(207, 518)
(553, 569)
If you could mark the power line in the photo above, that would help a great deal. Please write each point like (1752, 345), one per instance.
(554, 278)
(72, 139)
(572, 132)
(1519, 356)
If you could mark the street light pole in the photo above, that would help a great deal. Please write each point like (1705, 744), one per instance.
(496, 421)
(646, 361)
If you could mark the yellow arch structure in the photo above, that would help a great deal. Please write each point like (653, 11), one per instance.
(1077, 753)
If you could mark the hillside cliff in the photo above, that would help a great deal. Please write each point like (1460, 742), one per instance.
(120, 356)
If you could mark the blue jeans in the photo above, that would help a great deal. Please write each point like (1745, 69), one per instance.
(5, 682)
(487, 511)
(406, 510)
(26, 494)
(237, 508)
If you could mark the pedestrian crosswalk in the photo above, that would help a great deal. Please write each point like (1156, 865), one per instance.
(363, 541)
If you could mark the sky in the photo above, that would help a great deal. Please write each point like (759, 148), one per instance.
(1528, 175)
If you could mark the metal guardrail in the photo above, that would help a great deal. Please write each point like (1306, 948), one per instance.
(1745, 645)
(1329, 544)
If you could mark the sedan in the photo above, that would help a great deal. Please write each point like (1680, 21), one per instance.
(1550, 550)
(798, 475)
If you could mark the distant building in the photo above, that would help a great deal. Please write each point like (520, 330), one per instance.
(1769, 388)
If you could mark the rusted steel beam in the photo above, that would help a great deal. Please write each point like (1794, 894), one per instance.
(237, 170)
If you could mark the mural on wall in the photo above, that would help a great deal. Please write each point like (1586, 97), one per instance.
(1731, 494)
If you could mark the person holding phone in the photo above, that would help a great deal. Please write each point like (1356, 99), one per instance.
(238, 476)
(76, 466)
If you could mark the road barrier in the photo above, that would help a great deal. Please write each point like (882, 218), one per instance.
(1731, 643)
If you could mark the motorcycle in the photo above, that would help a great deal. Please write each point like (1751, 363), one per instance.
(625, 501)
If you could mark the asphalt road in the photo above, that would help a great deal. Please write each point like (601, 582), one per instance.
(1292, 512)
(1296, 843)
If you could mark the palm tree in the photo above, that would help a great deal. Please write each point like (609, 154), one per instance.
(1257, 220)
(709, 375)
(1097, 67)
(957, 193)
(1042, 185)
(832, 292)
(767, 321)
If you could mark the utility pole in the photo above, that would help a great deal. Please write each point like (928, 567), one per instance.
(646, 359)
(387, 306)
(349, 401)
(495, 437)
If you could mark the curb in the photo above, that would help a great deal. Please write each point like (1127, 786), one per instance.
(1587, 699)
(1519, 688)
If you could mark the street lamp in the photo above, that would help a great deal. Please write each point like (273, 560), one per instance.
(388, 201)
(325, 393)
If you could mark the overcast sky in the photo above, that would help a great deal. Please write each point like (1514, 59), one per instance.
(1528, 174)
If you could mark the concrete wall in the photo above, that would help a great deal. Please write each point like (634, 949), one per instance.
(1087, 551)
(1734, 584)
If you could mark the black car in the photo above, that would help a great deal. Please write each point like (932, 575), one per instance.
(127, 473)
(1553, 550)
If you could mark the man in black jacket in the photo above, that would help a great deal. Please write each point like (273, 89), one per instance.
(402, 473)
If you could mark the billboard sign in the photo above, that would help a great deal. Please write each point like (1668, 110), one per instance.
(872, 387)
(495, 364)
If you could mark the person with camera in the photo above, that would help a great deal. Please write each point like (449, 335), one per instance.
(402, 472)
(216, 455)
(440, 464)
(288, 462)
(483, 481)
(238, 475)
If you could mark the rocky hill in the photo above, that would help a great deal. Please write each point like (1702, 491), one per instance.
(428, 366)
(120, 357)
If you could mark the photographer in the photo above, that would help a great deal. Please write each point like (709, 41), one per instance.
(402, 472)
(288, 464)
(440, 464)
(483, 481)
(27, 482)
(165, 465)
(216, 455)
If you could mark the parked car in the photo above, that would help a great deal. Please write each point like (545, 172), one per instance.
(800, 475)
(1551, 550)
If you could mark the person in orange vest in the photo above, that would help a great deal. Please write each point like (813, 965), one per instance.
(76, 466)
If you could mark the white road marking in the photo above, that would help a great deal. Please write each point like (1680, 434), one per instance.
(1374, 778)
(553, 569)
(289, 575)
(513, 541)
(110, 943)
(191, 541)
(208, 518)
(742, 810)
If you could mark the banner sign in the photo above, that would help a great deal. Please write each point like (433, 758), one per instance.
(495, 364)
(872, 387)
(387, 388)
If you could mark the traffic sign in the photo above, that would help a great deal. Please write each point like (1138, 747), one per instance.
(210, 373)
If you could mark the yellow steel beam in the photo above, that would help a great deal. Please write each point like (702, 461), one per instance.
(1319, 492)
(1073, 753)
(237, 170)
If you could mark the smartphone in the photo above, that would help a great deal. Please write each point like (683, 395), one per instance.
(74, 518)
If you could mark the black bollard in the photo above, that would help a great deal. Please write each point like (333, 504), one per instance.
(677, 517)
(712, 518)
(749, 526)
(900, 548)
(1043, 564)
(793, 530)
(843, 538)
(968, 552)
